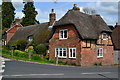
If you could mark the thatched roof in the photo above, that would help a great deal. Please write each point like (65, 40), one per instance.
(116, 37)
(87, 26)
(40, 32)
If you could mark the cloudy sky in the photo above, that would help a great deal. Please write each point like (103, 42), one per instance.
(108, 10)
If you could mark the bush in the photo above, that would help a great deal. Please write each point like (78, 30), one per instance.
(20, 44)
(41, 49)
(4, 51)
(35, 57)
(52, 61)
(46, 58)
(21, 54)
(98, 64)
(30, 49)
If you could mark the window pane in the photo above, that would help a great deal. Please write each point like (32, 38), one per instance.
(64, 52)
(104, 35)
(70, 52)
(73, 52)
(98, 52)
(61, 34)
(56, 51)
(60, 52)
(65, 33)
(88, 43)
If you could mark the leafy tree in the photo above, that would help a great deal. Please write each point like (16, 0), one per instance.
(20, 44)
(30, 14)
(41, 49)
(8, 14)
(89, 11)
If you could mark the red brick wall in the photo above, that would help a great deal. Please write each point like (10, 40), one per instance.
(72, 42)
(89, 55)
(84, 56)
(12, 32)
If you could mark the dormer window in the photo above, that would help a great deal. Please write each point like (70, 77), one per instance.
(63, 34)
(30, 38)
(104, 36)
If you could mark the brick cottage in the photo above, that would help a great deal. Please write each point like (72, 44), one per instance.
(81, 39)
(7, 33)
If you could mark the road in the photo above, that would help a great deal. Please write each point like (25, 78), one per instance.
(18, 69)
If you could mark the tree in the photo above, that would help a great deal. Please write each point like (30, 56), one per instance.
(41, 49)
(8, 14)
(89, 11)
(20, 44)
(30, 14)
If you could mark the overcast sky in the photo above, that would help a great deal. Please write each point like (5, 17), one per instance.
(108, 10)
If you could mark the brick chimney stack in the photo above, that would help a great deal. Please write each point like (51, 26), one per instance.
(17, 21)
(75, 7)
(52, 17)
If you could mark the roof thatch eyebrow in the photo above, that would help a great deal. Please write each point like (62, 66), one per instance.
(87, 26)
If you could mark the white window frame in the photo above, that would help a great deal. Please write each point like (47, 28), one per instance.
(72, 53)
(105, 37)
(99, 56)
(59, 53)
(63, 34)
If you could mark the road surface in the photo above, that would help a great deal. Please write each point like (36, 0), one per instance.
(19, 69)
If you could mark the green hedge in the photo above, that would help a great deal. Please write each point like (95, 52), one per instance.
(35, 57)
(20, 54)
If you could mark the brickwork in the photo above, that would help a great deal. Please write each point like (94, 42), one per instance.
(84, 56)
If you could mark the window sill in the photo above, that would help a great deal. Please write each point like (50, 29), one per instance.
(72, 57)
(86, 47)
(104, 39)
(62, 38)
(99, 56)
(61, 57)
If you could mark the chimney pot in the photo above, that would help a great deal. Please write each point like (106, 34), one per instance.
(52, 10)
(75, 5)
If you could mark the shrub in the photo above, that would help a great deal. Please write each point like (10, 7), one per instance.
(52, 61)
(95, 64)
(100, 64)
(30, 49)
(46, 57)
(21, 54)
(20, 44)
(41, 49)
(35, 57)
(5, 51)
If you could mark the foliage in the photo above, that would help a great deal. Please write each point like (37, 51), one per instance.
(35, 57)
(20, 44)
(18, 51)
(98, 64)
(30, 14)
(20, 55)
(41, 49)
(5, 51)
(89, 11)
(46, 57)
(8, 14)
(30, 49)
